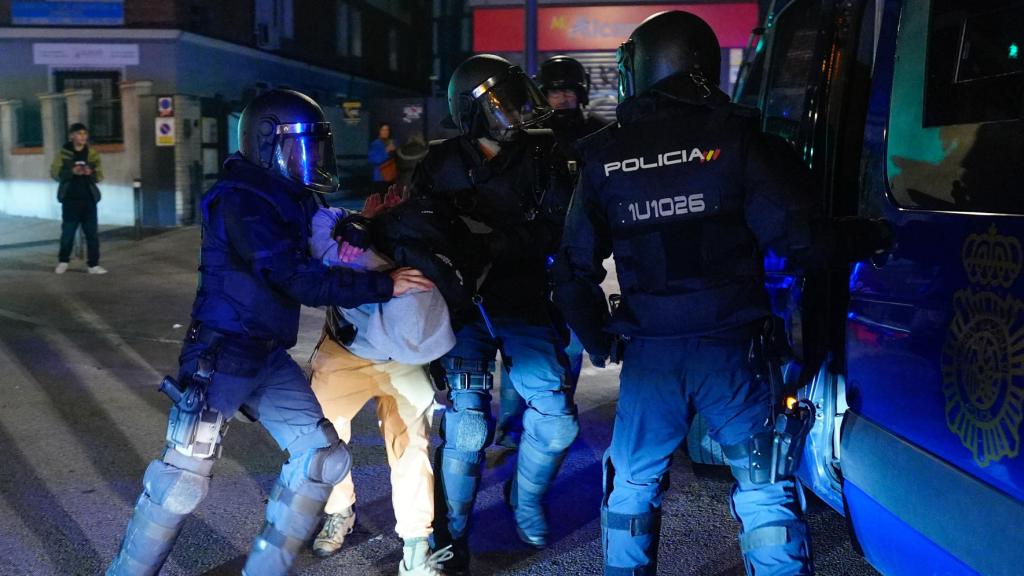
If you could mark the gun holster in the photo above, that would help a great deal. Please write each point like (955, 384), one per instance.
(193, 428)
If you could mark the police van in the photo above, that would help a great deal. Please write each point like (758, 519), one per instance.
(911, 111)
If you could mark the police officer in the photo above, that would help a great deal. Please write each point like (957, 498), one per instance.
(688, 195)
(255, 271)
(566, 86)
(511, 186)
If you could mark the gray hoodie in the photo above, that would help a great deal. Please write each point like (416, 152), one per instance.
(411, 329)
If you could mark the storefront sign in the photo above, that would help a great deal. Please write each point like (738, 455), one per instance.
(412, 113)
(63, 13)
(353, 111)
(165, 131)
(85, 55)
(572, 28)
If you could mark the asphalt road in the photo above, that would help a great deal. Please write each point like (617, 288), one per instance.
(80, 418)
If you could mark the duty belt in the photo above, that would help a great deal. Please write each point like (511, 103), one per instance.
(199, 333)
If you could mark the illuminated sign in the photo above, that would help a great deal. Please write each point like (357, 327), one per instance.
(57, 13)
(574, 28)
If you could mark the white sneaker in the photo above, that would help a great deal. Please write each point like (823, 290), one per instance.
(61, 268)
(418, 561)
(333, 534)
(97, 270)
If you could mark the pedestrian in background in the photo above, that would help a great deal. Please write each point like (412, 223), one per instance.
(78, 169)
(382, 156)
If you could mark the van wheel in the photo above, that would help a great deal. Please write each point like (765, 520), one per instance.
(702, 449)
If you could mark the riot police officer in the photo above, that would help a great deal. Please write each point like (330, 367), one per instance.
(565, 84)
(255, 271)
(688, 195)
(511, 186)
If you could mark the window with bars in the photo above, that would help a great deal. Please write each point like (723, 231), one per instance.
(105, 106)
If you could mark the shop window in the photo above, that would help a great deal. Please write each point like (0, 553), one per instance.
(356, 33)
(393, 47)
(30, 126)
(793, 66)
(105, 106)
(956, 138)
(343, 38)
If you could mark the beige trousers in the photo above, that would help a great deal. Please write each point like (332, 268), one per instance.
(344, 383)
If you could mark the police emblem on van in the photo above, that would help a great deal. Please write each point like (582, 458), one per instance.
(983, 356)
(661, 160)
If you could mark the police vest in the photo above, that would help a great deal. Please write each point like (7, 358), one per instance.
(528, 183)
(231, 297)
(670, 184)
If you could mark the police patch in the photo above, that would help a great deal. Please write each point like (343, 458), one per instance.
(983, 357)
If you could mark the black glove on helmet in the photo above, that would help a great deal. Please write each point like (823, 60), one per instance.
(489, 96)
(666, 45)
(286, 132)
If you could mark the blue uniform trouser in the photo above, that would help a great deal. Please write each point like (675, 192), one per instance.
(512, 406)
(663, 383)
(279, 395)
(538, 374)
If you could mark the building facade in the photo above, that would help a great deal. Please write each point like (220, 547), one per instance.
(160, 84)
(592, 30)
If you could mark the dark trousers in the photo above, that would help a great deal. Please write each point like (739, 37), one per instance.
(76, 214)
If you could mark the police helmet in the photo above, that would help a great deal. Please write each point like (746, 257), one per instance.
(286, 132)
(565, 73)
(669, 44)
(488, 95)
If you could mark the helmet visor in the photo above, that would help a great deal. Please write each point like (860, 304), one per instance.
(624, 61)
(304, 152)
(511, 102)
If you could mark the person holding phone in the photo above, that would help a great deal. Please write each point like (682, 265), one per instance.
(78, 169)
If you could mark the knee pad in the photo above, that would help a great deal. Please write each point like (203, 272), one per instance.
(175, 490)
(555, 433)
(330, 465)
(467, 430)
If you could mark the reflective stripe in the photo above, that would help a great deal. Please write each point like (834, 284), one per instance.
(635, 524)
(295, 501)
(467, 381)
(274, 537)
(770, 535)
(460, 468)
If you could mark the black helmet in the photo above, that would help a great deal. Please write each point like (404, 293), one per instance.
(286, 132)
(489, 95)
(565, 73)
(669, 44)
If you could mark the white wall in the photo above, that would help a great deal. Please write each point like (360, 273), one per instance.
(27, 190)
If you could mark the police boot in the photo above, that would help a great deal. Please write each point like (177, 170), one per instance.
(774, 538)
(317, 462)
(174, 487)
(544, 446)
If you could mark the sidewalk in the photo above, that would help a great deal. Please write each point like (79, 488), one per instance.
(17, 231)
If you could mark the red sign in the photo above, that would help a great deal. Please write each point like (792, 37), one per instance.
(570, 28)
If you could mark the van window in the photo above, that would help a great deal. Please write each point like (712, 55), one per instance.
(793, 63)
(956, 139)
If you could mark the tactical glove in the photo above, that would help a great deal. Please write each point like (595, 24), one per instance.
(353, 229)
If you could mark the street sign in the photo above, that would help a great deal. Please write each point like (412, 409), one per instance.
(165, 106)
(165, 131)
